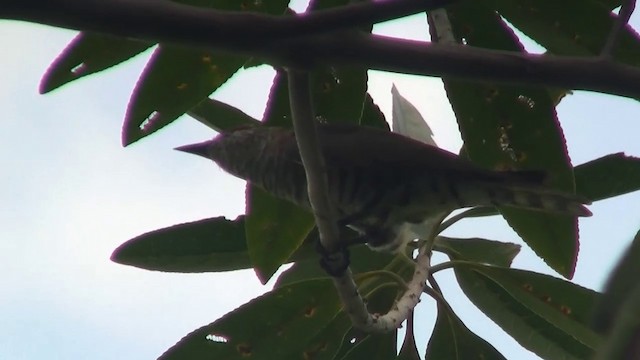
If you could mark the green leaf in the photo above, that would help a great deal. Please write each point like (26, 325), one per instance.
(282, 324)
(89, 53)
(452, 340)
(622, 282)
(208, 245)
(372, 115)
(479, 250)
(561, 30)
(512, 127)
(220, 116)
(608, 176)
(374, 347)
(622, 343)
(409, 350)
(174, 80)
(546, 315)
(274, 228)
(214, 244)
(330, 340)
(177, 78)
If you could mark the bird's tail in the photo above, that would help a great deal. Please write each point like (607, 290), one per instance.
(537, 198)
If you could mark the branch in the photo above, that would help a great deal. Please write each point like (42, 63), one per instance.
(167, 21)
(159, 20)
(304, 125)
(621, 21)
(472, 64)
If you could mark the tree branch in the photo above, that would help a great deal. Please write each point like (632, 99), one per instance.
(167, 21)
(304, 125)
(159, 20)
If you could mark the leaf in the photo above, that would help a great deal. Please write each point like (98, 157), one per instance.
(214, 244)
(555, 26)
(374, 347)
(546, 315)
(282, 324)
(409, 350)
(622, 282)
(177, 78)
(608, 176)
(623, 341)
(89, 53)
(478, 250)
(512, 127)
(220, 116)
(372, 115)
(275, 229)
(208, 245)
(174, 80)
(452, 340)
(407, 120)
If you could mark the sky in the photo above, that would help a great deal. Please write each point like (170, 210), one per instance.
(70, 194)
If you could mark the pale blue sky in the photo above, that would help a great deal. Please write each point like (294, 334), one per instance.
(70, 194)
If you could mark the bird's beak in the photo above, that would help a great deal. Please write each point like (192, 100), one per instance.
(201, 149)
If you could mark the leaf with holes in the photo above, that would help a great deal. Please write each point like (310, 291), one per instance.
(512, 127)
(281, 324)
(177, 78)
(89, 53)
(546, 315)
(374, 347)
(452, 340)
(608, 176)
(555, 26)
(174, 80)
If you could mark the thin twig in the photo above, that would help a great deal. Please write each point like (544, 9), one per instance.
(626, 10)
(304, 125)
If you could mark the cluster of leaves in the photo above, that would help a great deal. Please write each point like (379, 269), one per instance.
(502, 127)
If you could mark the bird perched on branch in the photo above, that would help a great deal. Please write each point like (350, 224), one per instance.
(380, 182)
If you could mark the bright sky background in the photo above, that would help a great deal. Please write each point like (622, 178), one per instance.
(70, 194)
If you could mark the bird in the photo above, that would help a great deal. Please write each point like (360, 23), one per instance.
(380, 183)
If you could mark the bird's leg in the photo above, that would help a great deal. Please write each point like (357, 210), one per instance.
(335, 262)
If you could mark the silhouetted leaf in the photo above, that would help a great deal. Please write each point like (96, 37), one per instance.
(608, 176)
(89, 53)
(220, 116)
(452, 340)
